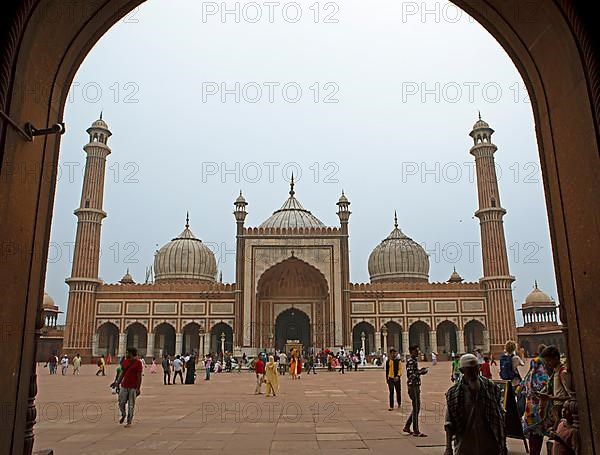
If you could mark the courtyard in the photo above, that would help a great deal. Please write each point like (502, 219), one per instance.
(325, 413)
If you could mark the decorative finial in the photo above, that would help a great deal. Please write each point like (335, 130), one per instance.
(479, 112)
(240, 192)
(535, 284)
(395, 220)
(292, 192)
(187, 220)
(454, 269)
(127, 270)
(100, 115)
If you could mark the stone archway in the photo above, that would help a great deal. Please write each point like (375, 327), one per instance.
(369, 336)
(393, 339)
(137, 337)
(292, 325)
(47, 41)
(216, 332)
(108, 340)
(293, 285)
(418, 334)
(474, 335)
(191, 338)
(164, 341)
(447, 339)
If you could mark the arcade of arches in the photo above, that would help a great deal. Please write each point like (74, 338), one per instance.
(46, 43)
(164, 339)
(444, 340)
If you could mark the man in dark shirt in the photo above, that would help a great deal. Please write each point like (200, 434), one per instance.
(413, 381)
(166, 366)
(392, 376)
(474, 415)
(130, 384)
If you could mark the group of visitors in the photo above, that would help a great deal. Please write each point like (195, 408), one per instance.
(545, 399)
(268, 374)
(179, 365)
(53, 362)
(393, 374)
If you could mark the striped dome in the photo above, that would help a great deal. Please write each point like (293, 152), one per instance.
(185, 258)
(292, 215)
(398, 258)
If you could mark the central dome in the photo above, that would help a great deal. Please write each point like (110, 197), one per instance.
(398, 258)
(292, 215)
(185, 258)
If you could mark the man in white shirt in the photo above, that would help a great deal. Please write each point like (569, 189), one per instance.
(64, 364)
(282, 362)
(177, 369)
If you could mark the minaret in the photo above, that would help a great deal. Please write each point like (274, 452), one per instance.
(496, 276)
(240, 216)
(84, 279)
(344, 214)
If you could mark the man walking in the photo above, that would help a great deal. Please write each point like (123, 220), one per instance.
(130, 384)
(259, 369)
(166, 366)
(101, 363)
(392, 377)
(64, 365)
(474, 415)
(76, 364)
(282, 362)
(177, 369)
(207, 367)
(413, 381)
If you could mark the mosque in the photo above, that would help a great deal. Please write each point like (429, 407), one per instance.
(292, 283)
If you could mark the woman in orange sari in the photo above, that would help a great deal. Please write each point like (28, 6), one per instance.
(293, 363)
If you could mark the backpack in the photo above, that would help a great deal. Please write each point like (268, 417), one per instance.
(507, 372)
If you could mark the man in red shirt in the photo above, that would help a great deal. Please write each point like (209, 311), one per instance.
(130, 382)
(259, 369)
(485, 370)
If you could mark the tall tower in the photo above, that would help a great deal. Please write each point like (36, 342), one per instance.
(84, 279)
(344, 214)
(240, 214)
(496, 276)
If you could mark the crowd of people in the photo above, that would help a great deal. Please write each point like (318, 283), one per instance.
(475, 406)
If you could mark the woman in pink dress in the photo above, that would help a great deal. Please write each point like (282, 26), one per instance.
(153, 366)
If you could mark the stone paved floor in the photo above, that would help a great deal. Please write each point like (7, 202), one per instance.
(327, 413)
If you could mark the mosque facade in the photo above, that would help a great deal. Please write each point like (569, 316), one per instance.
(292, 283)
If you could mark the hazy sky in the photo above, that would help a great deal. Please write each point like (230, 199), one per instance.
(376, 98)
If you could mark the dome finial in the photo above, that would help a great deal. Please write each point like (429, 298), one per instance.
(479, 112)
(395, 220)
(187, 220)
(100, 115)
(535, 284)
(292, 192)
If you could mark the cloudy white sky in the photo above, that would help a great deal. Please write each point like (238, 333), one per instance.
(376, 98)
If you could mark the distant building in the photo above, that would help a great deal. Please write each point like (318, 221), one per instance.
(292, 283)
(541, 323)
(51, 338)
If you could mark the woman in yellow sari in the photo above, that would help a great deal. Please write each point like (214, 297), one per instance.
(271, 377)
